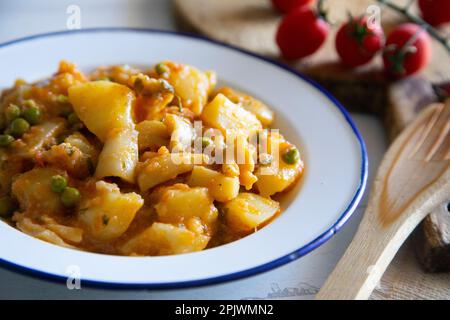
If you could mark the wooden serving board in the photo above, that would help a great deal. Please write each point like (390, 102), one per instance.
(251, 24)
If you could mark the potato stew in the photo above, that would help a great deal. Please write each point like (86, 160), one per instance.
(139, 162)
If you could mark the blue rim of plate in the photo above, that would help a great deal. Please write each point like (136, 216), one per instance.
(314, 244)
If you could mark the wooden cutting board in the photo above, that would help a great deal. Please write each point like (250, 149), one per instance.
(251, 24)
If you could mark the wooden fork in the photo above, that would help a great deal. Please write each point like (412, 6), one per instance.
(413, 179)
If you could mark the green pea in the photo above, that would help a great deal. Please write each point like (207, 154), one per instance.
(12, 112)
(32, 115)
(19, 126)
(62, 99)
(73, 118)
(70, 197)
(29, 103)
(291, 156)
(58, 183)
(6, 140)
(161, 68)
(7, 206)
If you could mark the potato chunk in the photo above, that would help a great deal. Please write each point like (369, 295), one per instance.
(164, 239)
(108, 213)
(280, 180)
(32, 190)
(279, 175)
(225, 115)
(190, 84)
(248, 211)
(179, 203)
(152, 134)
(221, 187)
(259, 109)
(103, 106)
(165, 167)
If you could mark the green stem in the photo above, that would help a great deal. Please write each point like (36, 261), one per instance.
(445, 41)
(432, 31)
(320, 10)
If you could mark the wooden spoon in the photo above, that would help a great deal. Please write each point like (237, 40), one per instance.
(414, 178)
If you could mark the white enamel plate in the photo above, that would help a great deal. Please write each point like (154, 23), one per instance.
(333, 150)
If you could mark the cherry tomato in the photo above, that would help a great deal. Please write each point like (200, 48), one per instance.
(286, 6)
(435, 12)
(407, 50)
(301, 33)
(356, 43)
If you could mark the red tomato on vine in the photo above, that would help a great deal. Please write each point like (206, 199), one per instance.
(286, 6)
(301, 33)
(357, 43)
(407, 51)
(435, 12)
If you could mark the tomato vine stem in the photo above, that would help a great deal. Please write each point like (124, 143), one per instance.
(413, 18)
(321, 11)
(445, 41)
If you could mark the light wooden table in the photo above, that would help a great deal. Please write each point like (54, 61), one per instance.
(404, 279)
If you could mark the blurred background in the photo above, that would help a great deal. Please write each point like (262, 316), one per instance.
(26, 17)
